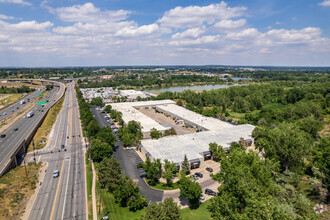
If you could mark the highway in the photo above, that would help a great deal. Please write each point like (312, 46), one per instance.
(63, 197)
(12, 137)
(13, 108)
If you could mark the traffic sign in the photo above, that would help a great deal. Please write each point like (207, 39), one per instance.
(41, 103)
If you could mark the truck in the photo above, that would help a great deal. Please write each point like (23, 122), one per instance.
(30, 114)
(22, 102)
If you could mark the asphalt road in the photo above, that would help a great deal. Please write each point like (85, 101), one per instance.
(13, 108)
(129, 160)
(63, 197)
(16, 133)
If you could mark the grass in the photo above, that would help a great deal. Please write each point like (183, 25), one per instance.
(10, 100)
(197, 214)
(15, 190)
(45, 128)
(89, 181)
(163, 186)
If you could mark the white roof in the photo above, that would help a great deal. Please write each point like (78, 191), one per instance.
(130, 113)
(175, 147)
(206, 122)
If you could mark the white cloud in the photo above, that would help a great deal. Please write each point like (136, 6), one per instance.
(16, 2)
(89, 13)
(190, 33)
(5, 17)
(194, 16)
(325, 3)
(230, 24)
(137, 31)
(184, 35)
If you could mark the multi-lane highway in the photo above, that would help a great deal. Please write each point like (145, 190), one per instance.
(16, 106)
(13, 137)
(63, 197)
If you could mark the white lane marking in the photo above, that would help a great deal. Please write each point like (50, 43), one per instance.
(66, 190)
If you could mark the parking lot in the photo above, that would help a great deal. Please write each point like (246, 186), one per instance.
(166, 121)
(206, 182)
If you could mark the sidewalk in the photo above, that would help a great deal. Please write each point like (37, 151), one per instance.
(93, 193)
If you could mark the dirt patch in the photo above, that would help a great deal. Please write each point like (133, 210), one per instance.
(16, 190)
(167, 121)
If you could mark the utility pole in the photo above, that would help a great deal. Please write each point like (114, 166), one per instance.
(34, 153)
(26, 173)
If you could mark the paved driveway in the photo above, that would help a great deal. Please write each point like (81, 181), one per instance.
(129, 160)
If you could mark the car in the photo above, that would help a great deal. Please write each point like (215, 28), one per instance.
(17, 107)
(67, 137)
(56, 173)
(209, 169)
(3, 136)
(210, 192)
(15, 129)
(24, 116)
(202, 197)
(11, 106)
(5, 113)
(200, 175)
(62, 146)
(129, 148)
(195, 176)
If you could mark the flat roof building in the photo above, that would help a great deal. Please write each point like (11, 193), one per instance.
(194, 145)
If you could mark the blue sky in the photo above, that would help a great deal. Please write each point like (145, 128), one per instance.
(170, 32)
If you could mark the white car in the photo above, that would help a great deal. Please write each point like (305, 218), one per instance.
(56, 173)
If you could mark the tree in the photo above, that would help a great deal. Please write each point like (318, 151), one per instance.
(105, 134)
(190, 190)
(217, 151)
(170, 171)
(131, 134)
(109, 173)
(137, 202)
(155, 134)
(168, 210)
(98, 101)
(286, 144)
(153, 171)
(185, 166)
(125, 191)
(100, 150)
(170, 132)
(107, 108)
(93, 128)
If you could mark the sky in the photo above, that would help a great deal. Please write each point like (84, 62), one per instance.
(57, 33)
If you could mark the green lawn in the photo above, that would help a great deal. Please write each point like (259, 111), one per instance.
(115, 211)
(198, 214)
(162, 186)
(89, 181)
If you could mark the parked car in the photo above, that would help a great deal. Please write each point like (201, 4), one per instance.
(209, 169)
(3, 136)
(62, 146)
(200, 175)
(15, 129)
(195, 176)
(202, 197)
(129, 148)
(210, 192)
(56, 173)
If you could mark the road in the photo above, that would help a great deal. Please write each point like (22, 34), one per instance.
(19, 131)
(16, 106)
(63, 197)
(129, 160)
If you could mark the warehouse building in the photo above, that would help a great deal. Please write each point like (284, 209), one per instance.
(194, 145)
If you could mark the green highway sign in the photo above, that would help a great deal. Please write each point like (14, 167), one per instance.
(42, 103)
(39, 93)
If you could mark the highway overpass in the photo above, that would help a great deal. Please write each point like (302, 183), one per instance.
(18, 136)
